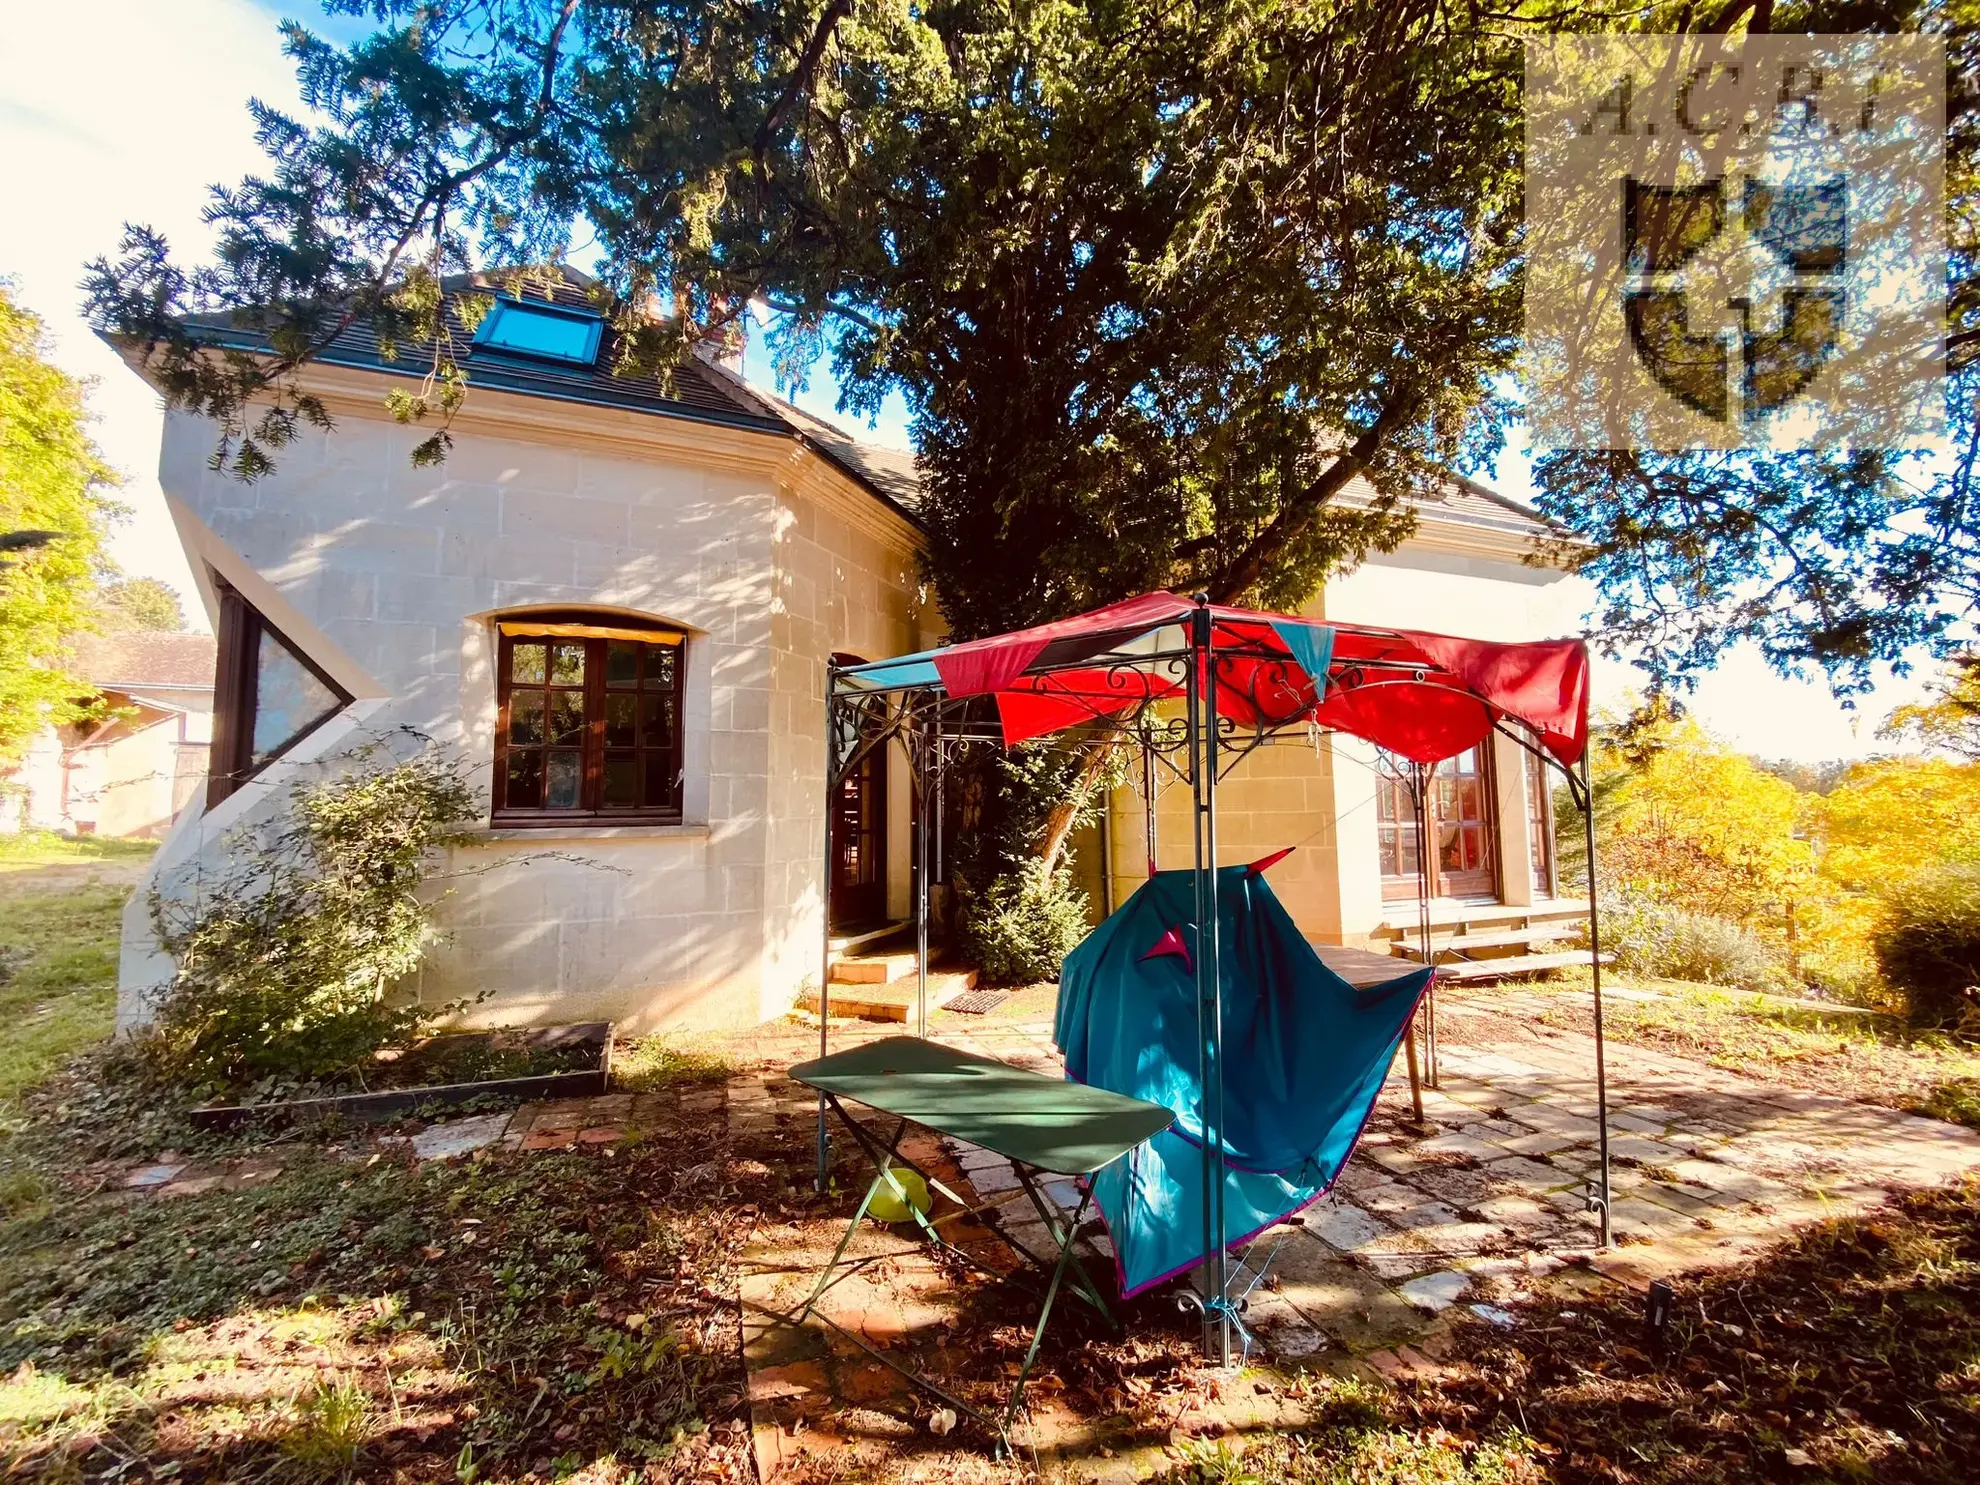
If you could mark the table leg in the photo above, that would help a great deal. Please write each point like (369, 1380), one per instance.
(1082, 1281)
(1066, 1260)
(884, 1176)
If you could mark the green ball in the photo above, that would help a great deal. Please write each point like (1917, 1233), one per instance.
(887, 1207)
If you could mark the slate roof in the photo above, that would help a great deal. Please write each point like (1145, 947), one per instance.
(697, 390)
(144, 660)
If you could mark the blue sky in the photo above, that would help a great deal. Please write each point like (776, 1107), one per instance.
(89, 139)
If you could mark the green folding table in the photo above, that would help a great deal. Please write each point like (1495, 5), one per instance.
(1042, 1125)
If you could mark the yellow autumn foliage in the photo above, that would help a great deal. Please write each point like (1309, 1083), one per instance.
(1696, 825)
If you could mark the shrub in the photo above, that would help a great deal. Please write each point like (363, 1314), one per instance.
(1015, 922)
(1928, 943)
(1673, 943)
(1019, 928)
(283, 965)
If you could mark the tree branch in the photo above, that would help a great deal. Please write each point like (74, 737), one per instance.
(808, 60)
(1297, 514)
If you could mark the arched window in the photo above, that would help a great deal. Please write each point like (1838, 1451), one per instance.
(589, 722)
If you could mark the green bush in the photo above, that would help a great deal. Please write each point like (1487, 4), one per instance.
(1013, 922)
(1019, 928)
(1928, 944)
(1652, 938)
(284, 963)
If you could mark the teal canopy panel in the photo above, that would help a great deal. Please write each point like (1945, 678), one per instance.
(1305, 1055)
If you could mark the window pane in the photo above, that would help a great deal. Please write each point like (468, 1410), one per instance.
(1450, 852)
(567, 665)
(526, 664)
(620, 731)
(621, 781)
(560, 790)
(525, 717)
(659, 780)
(288, 697)
(567, 717)
(1468, 799)
(621, 663)
(656, 718)
(525, 791)
(540, 332)
(661, 665)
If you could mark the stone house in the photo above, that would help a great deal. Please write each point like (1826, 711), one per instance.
(616, 602)
(131, 770)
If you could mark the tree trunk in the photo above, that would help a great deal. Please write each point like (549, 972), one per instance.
(1059, 824)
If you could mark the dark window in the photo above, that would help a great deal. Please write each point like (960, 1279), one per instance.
(540, 332)
(267, 696)
(590, 723)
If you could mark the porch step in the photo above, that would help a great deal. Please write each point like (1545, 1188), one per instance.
(1472, 970)
(1409, 948)
(893, 1000)
(872, 969)
(846, 943)
(1461, 919)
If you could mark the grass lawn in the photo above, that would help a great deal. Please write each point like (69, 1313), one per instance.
(1867, 1055)
(61, 901)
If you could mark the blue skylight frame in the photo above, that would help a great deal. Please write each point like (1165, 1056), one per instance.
(535, 331)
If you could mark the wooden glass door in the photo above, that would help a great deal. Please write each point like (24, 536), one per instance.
(1460, 802)
(859, 845)
(1458, 815)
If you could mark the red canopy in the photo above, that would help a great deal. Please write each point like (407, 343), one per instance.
(1424, 696)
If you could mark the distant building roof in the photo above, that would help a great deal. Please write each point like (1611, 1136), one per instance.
(144, 660)
(1459, 501)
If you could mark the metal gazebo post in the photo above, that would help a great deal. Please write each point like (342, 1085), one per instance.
(1209, 981)
(825, 907)
(1595, 976)
(1419, 796)
(921, 770)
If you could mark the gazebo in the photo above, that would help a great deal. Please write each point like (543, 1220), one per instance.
(1194, 687)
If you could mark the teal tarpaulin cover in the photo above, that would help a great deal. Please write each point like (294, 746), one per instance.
(1305, 1054)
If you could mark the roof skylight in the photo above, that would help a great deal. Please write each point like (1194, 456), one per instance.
(524, 327)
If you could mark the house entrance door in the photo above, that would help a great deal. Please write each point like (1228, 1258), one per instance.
(859, 845)
(1458, 813)
(857, 818)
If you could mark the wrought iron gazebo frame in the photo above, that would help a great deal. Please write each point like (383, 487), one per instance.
(1198, 745)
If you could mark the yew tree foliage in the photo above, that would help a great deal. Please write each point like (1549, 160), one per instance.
(1158, 278)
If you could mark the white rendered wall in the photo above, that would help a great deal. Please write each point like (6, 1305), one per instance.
(390, 577)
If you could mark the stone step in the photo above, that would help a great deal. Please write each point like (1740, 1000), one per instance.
(845, 943)
(872, 969)
(894, 999)
(1408, 948)
(1512, 964)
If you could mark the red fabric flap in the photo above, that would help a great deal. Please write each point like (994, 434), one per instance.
(983, 665)
(1543, 683)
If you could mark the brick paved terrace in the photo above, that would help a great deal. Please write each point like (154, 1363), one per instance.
(1471, 1210)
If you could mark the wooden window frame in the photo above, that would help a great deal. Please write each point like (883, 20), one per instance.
(595, 634)
(1540, 826)
(1403, 886)
(231, 759)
